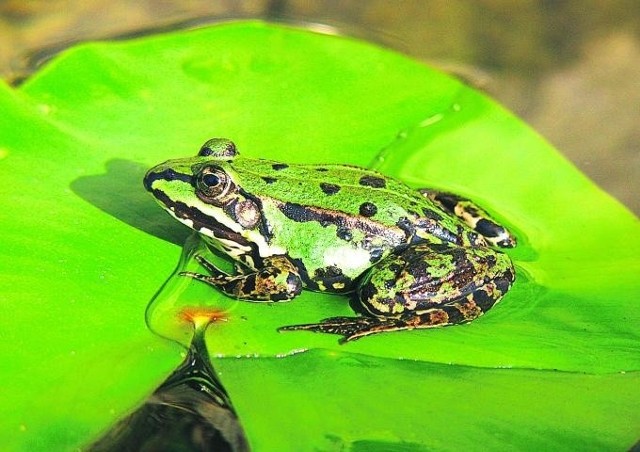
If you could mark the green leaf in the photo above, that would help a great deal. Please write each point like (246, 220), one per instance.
(85, 251)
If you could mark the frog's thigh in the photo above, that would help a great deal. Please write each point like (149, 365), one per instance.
(473, 215)
(427, 286)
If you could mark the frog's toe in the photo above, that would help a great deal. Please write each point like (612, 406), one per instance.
(350, 328)
(213, 280)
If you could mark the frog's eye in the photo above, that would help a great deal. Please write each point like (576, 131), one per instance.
(212, 184)
(218, 147)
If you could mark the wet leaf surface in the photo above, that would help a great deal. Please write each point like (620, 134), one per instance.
(85, 250)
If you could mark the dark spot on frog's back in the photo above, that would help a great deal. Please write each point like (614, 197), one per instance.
(372, 181)
(269, 180)
(279, 166)
(329, 189)
(322, 170)
(368, 209)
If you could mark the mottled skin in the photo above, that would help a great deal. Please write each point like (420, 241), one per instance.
(415, 259)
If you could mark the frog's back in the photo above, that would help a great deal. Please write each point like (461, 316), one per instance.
(351, 190)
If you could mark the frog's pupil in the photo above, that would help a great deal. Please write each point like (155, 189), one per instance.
(210, 180)
(368, 209)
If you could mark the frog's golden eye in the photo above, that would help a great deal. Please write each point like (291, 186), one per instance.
(213, 184)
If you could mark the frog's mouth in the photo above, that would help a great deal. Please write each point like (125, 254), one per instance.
(195, 219)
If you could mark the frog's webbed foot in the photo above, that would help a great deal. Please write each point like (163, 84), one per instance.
(277, 280)
(350, 328)
(474, 216)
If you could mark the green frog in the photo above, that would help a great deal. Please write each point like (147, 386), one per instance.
(413, 258)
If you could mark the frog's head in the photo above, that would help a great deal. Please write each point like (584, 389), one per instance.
(202, 193)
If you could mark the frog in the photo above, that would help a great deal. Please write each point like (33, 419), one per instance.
(408, 258)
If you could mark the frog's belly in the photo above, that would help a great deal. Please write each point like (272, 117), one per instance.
(335, 269)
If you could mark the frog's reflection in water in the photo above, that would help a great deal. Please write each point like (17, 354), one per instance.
(189, 411)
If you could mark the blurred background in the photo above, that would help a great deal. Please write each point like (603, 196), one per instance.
(570, 68)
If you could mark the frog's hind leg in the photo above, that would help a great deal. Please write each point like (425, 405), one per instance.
(425, 286)
(353, 328)
(460, 311)
(474, 216)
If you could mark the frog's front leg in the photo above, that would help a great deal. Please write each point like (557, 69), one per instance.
(277, 280)
(474, 216)
(425, 286)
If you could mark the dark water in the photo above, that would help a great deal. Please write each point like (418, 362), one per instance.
(190, 411)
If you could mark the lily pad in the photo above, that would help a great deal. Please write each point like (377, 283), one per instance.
(85, 250)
